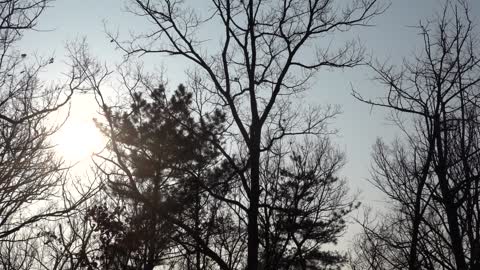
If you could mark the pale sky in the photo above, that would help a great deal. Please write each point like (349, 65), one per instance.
(392, 38)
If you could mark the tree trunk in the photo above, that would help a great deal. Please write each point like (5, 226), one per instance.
(253, 242)
(448, 197)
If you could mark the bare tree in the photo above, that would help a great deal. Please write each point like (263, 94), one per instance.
(430, 176)
(259, 64)
(34, 186)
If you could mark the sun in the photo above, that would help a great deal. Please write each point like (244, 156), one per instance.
(78, 141)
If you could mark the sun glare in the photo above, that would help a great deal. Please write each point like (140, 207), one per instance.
(78, 141)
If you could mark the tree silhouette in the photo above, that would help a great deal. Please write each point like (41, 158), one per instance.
(167, 162)
(34, 187)
(260, 64)
(430, 175)
(159, 167)
(304, 206)
(30, 176)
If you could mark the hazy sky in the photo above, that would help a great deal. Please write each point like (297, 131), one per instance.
(392, 38)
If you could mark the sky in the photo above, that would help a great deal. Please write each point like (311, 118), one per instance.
(391, 38)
